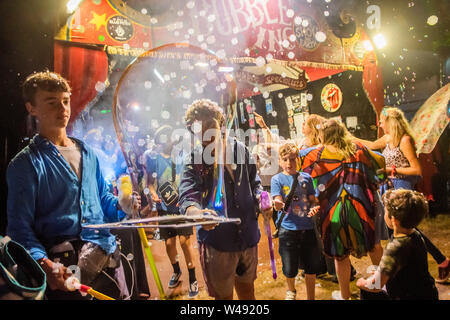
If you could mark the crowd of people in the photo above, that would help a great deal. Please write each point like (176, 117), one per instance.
(333, 195)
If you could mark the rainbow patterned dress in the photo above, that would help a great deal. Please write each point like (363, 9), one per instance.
(345, 189)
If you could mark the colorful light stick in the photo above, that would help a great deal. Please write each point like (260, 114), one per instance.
(218, 199)
(265, 204)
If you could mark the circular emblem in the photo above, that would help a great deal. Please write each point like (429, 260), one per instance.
(120, 28)
(331, 97)
(305, 32)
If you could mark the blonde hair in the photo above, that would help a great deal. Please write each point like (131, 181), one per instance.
(287, 149)
(335, 134)
(314, 122)
(397, 123)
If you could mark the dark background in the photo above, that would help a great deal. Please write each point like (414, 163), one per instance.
(415, 62)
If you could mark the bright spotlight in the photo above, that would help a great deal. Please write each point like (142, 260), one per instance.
(72, 5)
(367, 45)
(380, 41)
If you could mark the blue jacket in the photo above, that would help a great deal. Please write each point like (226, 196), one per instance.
(47, 203)
(196, 186)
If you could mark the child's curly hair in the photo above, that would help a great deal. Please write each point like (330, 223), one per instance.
(204, 110)
(407, 206)
(46, 81)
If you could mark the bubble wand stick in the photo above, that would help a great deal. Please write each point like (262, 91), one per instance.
(265, 204)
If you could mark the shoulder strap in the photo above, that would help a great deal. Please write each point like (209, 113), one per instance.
(288, 200)
(291, 192)
(174, 171)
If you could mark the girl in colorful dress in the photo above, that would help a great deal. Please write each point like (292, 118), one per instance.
(346, 176)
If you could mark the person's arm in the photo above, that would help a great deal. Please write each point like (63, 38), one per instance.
(374, 145)
(314, 205)
(151, 187)
(374, 283)
(275, 191)
(262, 124)
(22, 195)
(393, 259)
(190, 189)
(191, 194)
(278, 203)
(406, 146)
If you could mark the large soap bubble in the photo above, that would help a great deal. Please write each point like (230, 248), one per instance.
(149, 105)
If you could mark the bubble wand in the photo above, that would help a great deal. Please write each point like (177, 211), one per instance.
(266, 204)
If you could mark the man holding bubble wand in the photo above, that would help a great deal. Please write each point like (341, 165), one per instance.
(228, 252)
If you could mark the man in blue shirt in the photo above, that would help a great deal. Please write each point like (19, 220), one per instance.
(54, 186)
(228, 252)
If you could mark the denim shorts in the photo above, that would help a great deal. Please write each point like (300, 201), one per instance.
(299, 248)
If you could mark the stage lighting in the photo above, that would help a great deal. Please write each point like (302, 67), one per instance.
(72, 5)
(380, 41)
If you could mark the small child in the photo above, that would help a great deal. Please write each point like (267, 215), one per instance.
(298, 243)
(404, 266)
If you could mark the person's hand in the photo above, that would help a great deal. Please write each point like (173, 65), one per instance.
(361, 283)
(136, 202)
(194, 211)
(56, 274)
(313, 211)
(129, 203)
(278, 204)
(260, 120)
(267, 214)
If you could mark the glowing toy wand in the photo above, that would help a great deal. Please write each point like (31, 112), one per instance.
(266, 204)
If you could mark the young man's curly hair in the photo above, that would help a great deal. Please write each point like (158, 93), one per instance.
(204, 110)
(407, 206)
(46, 81)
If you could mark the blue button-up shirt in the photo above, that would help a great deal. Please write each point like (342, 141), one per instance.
(196, 187)
(47, 204)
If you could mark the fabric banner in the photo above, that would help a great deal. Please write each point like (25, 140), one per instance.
(315, 41)
(430, 120)
(84, 67)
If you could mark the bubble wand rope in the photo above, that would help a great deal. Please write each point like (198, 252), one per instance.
(125, 184)
(266, 204)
